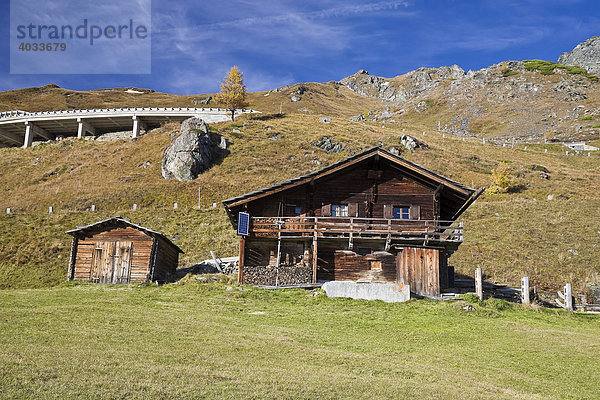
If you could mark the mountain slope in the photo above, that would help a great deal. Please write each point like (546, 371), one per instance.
(525, 101)
(509, 235)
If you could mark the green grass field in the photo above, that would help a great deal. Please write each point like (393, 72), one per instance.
(199, 340)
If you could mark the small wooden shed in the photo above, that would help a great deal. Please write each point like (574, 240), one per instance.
(118, 251)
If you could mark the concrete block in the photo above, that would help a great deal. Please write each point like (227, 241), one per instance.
(388, 292)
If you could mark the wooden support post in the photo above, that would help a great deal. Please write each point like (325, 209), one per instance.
(479, 283)
(525, 290)
(72, 258)
(278, 259)
(314, 258)
(241, 260)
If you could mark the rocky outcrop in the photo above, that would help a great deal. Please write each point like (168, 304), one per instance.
(585, 55)
(193, 151)
(401, 89)
(370, 86)
(329, 145)
(411, 144)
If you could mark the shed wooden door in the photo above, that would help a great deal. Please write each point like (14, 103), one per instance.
(419, 268)
(111, 262)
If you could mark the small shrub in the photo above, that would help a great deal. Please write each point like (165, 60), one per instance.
(497, 304)
(587, 118)
(596, 126)
(508, 73)
(470, 298)
(503, 181)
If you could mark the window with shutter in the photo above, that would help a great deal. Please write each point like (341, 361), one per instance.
(326, 210)
(415, 212)
(387, 211)
(353, 209)
(339, 210)
(400, 212)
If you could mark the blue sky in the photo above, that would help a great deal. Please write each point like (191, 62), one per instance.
(281, 42)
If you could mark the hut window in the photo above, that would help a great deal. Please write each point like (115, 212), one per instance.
(339, 210)
(375, 265)
(297, 210)
(401, 212)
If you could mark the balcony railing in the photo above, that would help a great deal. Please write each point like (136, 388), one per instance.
(397, 230)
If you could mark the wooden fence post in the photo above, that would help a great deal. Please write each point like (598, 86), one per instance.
(479, 283)
(525, 290)
(568, 297)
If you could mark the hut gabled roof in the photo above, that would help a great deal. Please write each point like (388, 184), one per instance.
(461, 195)
(118, 222)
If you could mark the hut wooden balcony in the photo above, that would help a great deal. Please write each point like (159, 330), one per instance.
(426, 232)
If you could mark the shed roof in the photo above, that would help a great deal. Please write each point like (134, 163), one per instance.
(119, 222)
(464, 195)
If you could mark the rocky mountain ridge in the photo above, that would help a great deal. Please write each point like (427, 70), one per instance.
(509, 100)
(585, 55)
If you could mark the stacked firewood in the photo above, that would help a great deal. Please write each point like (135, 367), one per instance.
(283, 275)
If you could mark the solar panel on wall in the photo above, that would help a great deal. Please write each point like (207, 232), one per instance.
(243, 223)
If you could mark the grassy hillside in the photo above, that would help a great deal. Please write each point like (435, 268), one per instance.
(315, 98)
(203, 340)
(508, 235)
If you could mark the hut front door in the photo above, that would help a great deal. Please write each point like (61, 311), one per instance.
(111, 262)
(419, 268)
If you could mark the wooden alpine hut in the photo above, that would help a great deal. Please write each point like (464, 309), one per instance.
(118, 251)
(372, 217)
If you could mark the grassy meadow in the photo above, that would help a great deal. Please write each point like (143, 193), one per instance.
(214, 340)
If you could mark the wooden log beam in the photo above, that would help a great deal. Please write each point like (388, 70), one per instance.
(241, 260)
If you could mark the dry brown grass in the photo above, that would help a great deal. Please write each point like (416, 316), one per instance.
(530, 235)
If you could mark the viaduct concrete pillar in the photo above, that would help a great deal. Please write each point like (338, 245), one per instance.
(138, 125)
(28, 135)
(31, 130)
(83, 127)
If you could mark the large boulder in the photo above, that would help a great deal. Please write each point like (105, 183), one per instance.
(194, 151)
(585, 55)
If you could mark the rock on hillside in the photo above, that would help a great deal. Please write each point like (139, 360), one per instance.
(584, 55)
(194, 151)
